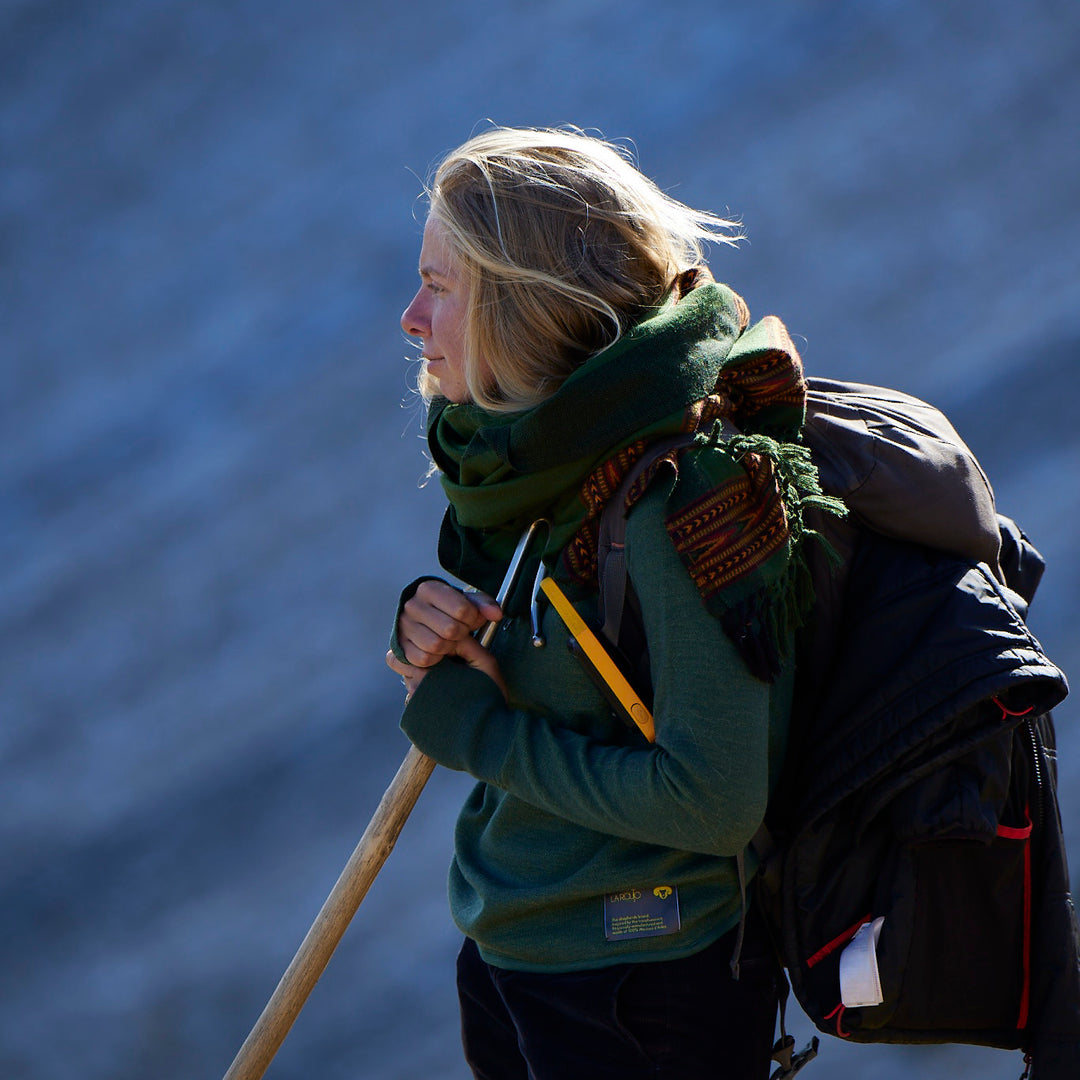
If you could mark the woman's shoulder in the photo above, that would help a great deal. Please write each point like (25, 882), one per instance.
(646, 518)
(650, 552)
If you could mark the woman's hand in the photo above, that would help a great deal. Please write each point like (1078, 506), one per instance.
(439, 621)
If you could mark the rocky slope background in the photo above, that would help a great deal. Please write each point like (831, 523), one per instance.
(210, 478)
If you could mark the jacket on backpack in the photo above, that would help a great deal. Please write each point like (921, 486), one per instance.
(924, 781)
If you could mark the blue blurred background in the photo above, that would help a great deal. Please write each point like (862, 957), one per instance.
(210, 479)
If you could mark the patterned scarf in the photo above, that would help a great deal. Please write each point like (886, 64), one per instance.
(735, 507)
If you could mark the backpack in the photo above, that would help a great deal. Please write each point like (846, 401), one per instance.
(911, 866)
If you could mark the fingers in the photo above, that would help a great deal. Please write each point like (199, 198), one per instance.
(411, 677)
(467, 606)
(439, 621)
(395, 665)
(437, 618)
(486, 605)
(471, 651)
(476, 656)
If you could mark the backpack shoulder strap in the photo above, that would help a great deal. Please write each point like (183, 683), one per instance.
(611, 572)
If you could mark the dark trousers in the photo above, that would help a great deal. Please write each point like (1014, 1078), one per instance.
(665, 1020)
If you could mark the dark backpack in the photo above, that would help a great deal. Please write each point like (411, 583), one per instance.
(920, 784)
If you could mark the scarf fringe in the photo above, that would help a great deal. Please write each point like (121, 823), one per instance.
(762, 626)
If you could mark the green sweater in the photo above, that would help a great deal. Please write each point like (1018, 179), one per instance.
(572, 805)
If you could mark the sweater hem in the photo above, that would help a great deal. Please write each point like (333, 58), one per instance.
(640, 955)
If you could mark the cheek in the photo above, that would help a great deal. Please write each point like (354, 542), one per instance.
(452, 323)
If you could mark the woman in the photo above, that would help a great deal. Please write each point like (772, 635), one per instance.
(567, 321)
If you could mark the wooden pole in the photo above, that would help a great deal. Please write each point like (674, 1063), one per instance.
(254, 1057)
(281, 1011)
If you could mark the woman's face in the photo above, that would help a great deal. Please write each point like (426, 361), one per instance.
(437, 313)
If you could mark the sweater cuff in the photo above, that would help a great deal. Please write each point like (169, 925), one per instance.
(406, 595)
(458, 717)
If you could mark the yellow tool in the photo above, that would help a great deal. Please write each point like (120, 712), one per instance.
(600, 659)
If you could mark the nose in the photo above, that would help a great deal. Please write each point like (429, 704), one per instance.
(415, 320)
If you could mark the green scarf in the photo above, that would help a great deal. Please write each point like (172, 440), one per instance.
(735, 506)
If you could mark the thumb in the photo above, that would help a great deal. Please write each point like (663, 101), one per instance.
(486, 605)
(476, 656)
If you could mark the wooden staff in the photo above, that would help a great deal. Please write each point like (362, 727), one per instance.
(330, 924)
(367, 859)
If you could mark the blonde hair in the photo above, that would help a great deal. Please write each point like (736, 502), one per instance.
(565, 244)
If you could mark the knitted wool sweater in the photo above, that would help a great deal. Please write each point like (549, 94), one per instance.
(572, 807)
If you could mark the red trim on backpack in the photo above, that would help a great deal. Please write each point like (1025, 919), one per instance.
(1006, 713)
(838, 1012)
(835, 944)
(1025, 996)
(1008, 832)
(1023, 832)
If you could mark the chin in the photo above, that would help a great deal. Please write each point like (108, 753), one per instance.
(458, 395)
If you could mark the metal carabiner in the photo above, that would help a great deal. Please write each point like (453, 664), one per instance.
(512, 571)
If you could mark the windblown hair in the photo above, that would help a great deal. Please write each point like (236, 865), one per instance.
(564, 245)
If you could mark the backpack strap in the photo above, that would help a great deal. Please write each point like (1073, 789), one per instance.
(617, 595)
(611, 572)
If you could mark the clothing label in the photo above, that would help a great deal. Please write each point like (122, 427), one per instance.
(860, 981)
(638, 913)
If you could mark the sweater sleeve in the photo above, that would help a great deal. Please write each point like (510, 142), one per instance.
(702, 786)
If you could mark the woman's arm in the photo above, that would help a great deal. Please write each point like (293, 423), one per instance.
(702, 786)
